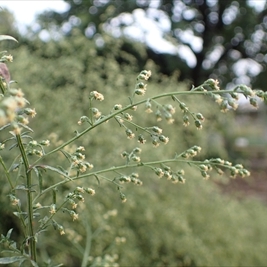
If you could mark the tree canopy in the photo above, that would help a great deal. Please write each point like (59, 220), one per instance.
(221, 39)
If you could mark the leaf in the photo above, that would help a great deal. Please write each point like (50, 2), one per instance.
(14, 167)
(26, 127)
(98, 181)
(7, 37)
(9, 233)
(5, 126)
(8, 260)
(54, 169)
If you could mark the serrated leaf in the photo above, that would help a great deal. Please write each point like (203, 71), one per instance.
(8, 260)
(7, 37)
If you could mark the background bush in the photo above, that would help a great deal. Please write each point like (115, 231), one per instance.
(161, 224)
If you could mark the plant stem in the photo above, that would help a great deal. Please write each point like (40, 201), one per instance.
(32, 241)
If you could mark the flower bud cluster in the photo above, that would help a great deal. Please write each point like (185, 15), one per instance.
(14, 200)
(132, 178)
(10, 103)
(33, 145)
(78, 162)
(197, 117)
(72, 214)
(219, 163)
(191, 152)
(133, 156)
(140, 87)
(58, 227)
(106, 260)
(96, 95)
(77, 195)
(174, 177)
(83, 119)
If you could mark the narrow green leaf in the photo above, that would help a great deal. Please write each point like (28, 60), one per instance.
(9, 233)
(7, 37)
(8, 260)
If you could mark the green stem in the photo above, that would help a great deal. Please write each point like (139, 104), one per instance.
(32, 241)
(88, 242)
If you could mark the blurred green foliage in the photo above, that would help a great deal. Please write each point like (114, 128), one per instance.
(163, 224)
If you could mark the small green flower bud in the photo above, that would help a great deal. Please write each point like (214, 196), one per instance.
(90, 191)
(96, 95)
(148, 107)
(235, 95)
(45, 143)
(159, 172)
(205, 174)
(124, 154)
(96, 113)
(141, 85)
(30, 112)
(203, 167)
(213, 84)
(170, 108)
(74, 215)
(157, 130)
(198, 124)
(196, 148)
(247, 91)
(224, 106)
(232, 103)
(128, 117)
(141, 139)
(183, 107)
(135, 158)
(139, 91)
(129, 133)
(167, 175)
(200, 117)
(253, 102)
(260, 94)
(117, 107)
(181, 179)
(155, 142)
(163, 139)
(53, 209)
(123, 197)
(186, 120)
(137, 150)
(135, 175)
(144, 75)
(14, 201)
(83, 119)
(181, 172)
(217, 98)
(239, 166)
(159, 115)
